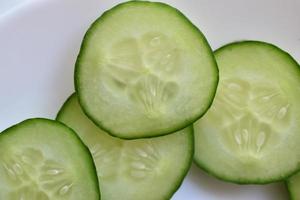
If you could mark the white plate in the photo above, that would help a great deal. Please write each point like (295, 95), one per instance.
(40, 40)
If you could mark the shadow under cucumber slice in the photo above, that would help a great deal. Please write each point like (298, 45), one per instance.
(42, 159)
(252, 128)
(148, 169)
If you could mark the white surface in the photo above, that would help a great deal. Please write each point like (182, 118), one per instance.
(6, 5)
(40, 40)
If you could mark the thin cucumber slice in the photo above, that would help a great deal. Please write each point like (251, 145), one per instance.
(42, 159)
(293, 185)
(148, 169)
(252, 129)
(144, 70)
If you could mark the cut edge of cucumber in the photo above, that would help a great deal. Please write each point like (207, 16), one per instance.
(287, 186)
(188, 166)
(242, 181)
(184, 172)
(90, 31)
(238, 42)
(92, 168)
(285, 177)
(288, 183)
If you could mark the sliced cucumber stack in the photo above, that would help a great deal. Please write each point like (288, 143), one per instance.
(43, 160)
(293, 185)
(144, 70)
(148, 169)
(252, 129)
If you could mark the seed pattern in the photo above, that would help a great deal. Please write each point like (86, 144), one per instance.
(34, 177)
(152, 93)
(114, 158)
(19, 168)
(54, 178)
(29, 192)
(247, 111)
(271, 105)
(146, 69)
(248, 134)
(142, 160)
(106, 158)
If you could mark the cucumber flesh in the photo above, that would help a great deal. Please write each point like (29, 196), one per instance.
(252, 128)
(293, 185)
(42, 159)
(144, 64)
(148, 169)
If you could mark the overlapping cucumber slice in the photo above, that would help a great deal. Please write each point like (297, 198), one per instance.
(252, 129)
(42, 159)
(293, 185)
(148, 169)
(144, 70)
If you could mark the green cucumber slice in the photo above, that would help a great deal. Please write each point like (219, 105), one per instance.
(293, 185)
(252, 129)
(144, 64)
(41, 159)
(148, 169)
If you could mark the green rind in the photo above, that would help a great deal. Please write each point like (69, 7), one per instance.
(258, 181)
(88, 157)
(82, 50)
(288, 185)
(202, 166)
(185, 171)
(260, 43)
(177, 186)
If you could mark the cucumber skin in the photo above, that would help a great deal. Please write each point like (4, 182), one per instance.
(185, 172)
(287, 186)
(82, 49)
(287, 183)
(241, 42)
(246, 182)
(241, 181)
(33, 120)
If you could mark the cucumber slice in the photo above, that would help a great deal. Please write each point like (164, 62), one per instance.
(42, 159)
(144, 70)
(252, 129)
(293, 185)
(148, 169)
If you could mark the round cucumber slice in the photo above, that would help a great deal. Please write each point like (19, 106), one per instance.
(293, 185)
(144, 70)
(252, 129)
(42, 159)
(148, 169)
